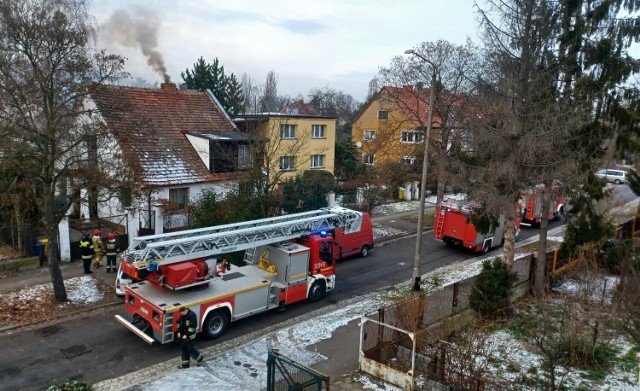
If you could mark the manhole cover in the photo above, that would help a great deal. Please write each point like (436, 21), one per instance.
(75, 350)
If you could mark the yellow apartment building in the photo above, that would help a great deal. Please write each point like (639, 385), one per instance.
(296, 142)
(392, 125)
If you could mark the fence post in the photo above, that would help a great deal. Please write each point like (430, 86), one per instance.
(633, 227)
(64, 239)
(555, 260)
(455, 294)
(133, 222)
(159, 219)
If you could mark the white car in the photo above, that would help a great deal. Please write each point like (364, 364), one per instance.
(614, 176)
(122, 280)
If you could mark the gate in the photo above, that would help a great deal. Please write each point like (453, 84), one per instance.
(285, 374)
(116, 224)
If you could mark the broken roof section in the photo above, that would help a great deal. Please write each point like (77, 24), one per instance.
(150, 126)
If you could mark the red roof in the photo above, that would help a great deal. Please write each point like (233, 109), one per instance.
(150, 127)
(414, 103)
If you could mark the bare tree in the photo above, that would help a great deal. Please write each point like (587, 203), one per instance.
(268, 101)
(47, 72)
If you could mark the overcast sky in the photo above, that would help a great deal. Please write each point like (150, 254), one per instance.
(309, 44)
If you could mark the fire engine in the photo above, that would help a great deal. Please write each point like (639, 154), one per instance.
(531, 205)
(287, 259)
(454, 227)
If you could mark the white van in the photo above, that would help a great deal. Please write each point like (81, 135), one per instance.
(615, 176)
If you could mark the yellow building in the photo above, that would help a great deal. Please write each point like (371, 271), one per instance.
(392, 125)
(296, 142)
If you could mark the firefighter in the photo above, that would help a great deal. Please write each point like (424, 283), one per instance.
(187, 327)
(86, 249)
(98, 248)
(112, 250)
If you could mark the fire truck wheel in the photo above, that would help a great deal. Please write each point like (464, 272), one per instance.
(486, 247)
(364, 251)
(215, 324)
(317, 291)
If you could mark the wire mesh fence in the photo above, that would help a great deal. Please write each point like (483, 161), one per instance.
(400, 343)
(285, 374)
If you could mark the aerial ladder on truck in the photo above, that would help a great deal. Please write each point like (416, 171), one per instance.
(292, 268)
(149, 255)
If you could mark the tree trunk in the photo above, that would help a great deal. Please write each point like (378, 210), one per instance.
(539, 283)
(442, 182)
(51, 226)
(510, 238)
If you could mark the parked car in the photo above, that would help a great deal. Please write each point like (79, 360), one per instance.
(614, 176)
(122, 280)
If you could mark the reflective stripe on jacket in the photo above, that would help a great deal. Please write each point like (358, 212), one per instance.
(86, 249)
(112, 248)
(188, 324)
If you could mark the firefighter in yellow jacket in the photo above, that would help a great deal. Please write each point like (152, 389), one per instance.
(98, 248)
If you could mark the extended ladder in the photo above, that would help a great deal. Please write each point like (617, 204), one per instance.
(150, 251)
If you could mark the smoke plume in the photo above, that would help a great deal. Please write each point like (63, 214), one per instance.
(138, 30)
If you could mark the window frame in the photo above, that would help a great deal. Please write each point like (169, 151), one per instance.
(244, 156)
(368, 159)
(412, 137)
(178, 194)
(313, 158)
(284, 159)
(384, 117)
(371, 136)
(289, 133)
(322, 128)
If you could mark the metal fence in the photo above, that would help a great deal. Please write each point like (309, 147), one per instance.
(397, 342)
(17, 241)
(285, 374)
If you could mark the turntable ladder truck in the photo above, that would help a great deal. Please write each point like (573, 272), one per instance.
(287, 259)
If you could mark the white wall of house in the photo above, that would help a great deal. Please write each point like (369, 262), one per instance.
(201, 146)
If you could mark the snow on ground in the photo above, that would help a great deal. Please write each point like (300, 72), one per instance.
(595, 288)
(381, 231)
(407, 206)
(80, 290)
(246, 368)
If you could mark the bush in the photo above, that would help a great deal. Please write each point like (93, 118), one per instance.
(492, 289)
(69, 385)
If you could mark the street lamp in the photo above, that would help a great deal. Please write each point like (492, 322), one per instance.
(423, 184)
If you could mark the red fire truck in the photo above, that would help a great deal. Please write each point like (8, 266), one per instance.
(531, 205)
(287, 259)
(454, 227)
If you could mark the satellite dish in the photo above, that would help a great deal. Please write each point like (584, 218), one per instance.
(358, 144)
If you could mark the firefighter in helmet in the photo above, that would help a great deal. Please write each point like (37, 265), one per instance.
(187, 329)
(98, 248)
(112, 252)
(86, 250)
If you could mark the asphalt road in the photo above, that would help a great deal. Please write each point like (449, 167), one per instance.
(95, 347)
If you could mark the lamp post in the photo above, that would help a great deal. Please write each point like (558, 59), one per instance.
(423, 184)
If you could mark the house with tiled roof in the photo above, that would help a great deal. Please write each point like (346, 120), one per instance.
(177, 143)
(391, 126)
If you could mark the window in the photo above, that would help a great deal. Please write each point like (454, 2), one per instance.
(368, 159)
(180, 196)
(287, 131)
(369, 134)
(244, 156)
(318, 131)
(411, 137)
(408, 159)
(317, 161)
(287, 163)
(383, 115)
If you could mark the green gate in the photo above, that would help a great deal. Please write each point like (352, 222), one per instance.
(285, 374)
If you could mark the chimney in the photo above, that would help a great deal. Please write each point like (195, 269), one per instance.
(168, 87)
